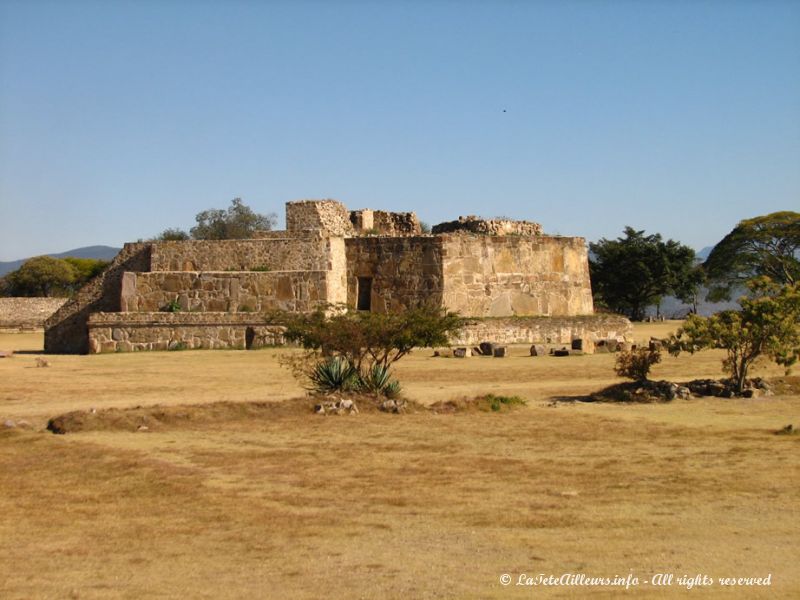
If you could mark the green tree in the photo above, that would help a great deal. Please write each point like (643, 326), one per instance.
(85, 269)
(172, 234)
(633, 272)
(768, 324)
(237, 222)
(365, 342)
(768, 245)
(41, 276)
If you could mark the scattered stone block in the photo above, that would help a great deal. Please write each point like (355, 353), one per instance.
(585, 345)
(462, 352)
(499, 351)
(477, 351)
(561, 352)
(487, 349)
(6, 353)
(538, 350)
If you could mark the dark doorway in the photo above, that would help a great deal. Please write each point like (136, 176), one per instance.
(364, 293)
(249, 336)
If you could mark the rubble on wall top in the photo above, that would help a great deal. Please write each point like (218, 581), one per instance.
(499, 227)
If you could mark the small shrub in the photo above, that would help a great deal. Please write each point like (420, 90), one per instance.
(497, 402)
(173, 306)
(636, 363)
(261, 268)
(334, 374)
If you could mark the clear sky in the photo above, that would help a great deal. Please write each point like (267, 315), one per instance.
(119, 119)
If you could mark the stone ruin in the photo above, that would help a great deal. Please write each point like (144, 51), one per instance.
(519, 285)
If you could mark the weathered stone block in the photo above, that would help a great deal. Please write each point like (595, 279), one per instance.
(462, 352)
(487, 348)
(538, 350)
(584, 345)
(499, 351)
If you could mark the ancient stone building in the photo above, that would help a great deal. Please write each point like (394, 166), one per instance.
(213, 294)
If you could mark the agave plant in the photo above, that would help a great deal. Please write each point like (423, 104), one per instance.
(378, 380)
(334, 374)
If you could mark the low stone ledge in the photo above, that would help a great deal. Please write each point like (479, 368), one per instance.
(547, 330)
(136, 332)
(27, 314)
(175, 318)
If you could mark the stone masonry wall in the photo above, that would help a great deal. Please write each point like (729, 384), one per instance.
(129, 332)
(546, 330)
(473, 224)
(66, 331)
(132, 332)
(406, 272)
(514, 275)
(318, 215)
(386, 223)
(27, 313)
(211, 291)
(279, 252)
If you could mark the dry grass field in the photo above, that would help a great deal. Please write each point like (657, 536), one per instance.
(287, 504)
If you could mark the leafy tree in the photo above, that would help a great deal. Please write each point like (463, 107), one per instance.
(361, 346)
(41, 276)
(688, 290)
(365, 338)
(633, 272)
(767, 325)
(237, 222)
(172, 234)
(85, 269)
(48, 276)
(768, 245)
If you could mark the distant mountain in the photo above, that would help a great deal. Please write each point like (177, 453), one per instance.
(703, 254)
(98, 252)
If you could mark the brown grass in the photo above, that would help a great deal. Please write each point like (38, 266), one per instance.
(274, 502)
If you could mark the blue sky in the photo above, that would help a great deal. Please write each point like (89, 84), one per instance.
(119, 119)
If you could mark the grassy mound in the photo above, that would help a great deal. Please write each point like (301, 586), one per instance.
(485, 403)
(155, 418)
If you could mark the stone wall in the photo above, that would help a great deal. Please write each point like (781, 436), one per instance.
(130, 332)
(473, 224)
(17, 314)
(514, 275)
(381, 222)
(546, 330)
(278, 252)
(405, 272)
(318, 215)
(66, 331)
(211, 291)
(133, 332)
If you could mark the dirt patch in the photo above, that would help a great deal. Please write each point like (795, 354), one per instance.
(786, 385)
